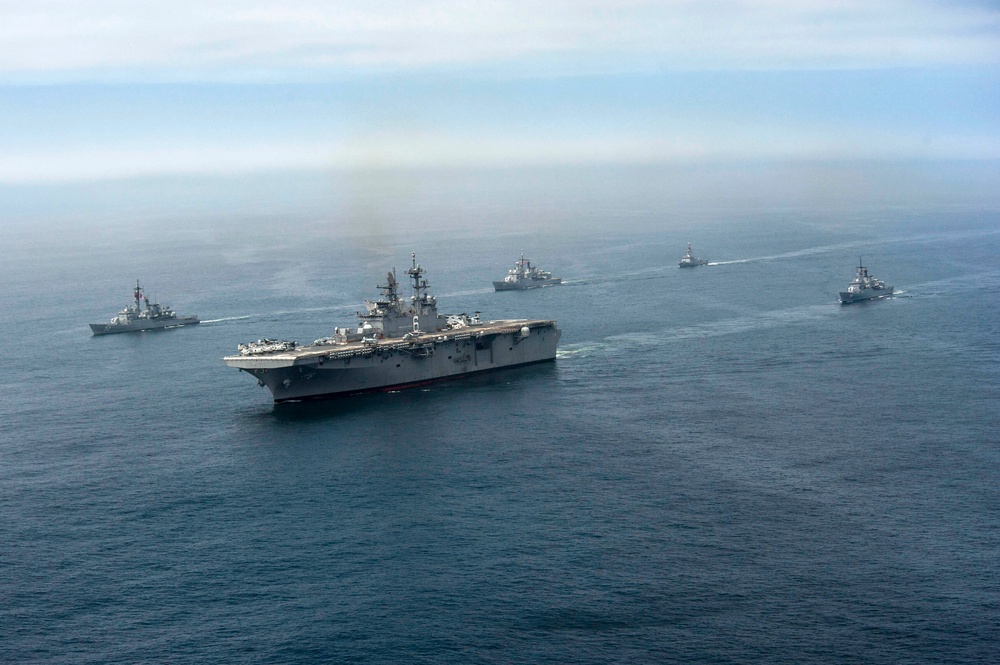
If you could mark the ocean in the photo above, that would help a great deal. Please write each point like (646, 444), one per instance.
(723, 464)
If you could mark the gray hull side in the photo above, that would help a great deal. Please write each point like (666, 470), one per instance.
(394, 369)
(136, 326)
(521, 286)
(847, 298)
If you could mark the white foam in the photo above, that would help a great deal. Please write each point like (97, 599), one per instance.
(227, 318)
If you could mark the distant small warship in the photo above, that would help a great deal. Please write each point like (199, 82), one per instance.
(525, 276)
(690, 261)
(864, 287)
(134, 317)
(397, 344)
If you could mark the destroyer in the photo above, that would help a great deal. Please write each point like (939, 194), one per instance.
(397, 344)
(690, 261)
(134, 317)
(525, 276)
(864, 287)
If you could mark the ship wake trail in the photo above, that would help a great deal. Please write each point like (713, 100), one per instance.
(285, 314)
(228, 318)
(633, 342)
(862, 244)
(962, 284)
(470, 292)
(809, 251)
(657, 272)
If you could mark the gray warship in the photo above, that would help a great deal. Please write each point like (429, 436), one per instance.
(525, 276)
(134, 317)
(690, 261)
(864, 287)
(396, 345)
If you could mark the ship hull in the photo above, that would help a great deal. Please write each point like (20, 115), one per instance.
(847, 298)
(693, 263)
(524, 285)
(397, 367)
(402, 386)
(137, 326)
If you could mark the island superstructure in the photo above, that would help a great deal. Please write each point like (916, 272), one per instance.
(864, 287)
(134, 317)
(396, 344)
(525, 276)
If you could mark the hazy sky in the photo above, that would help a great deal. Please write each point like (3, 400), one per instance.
(98, 89)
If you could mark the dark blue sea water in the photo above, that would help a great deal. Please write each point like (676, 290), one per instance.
(723, 464)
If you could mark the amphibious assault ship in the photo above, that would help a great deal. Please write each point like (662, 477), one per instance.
(134, 318)
(864, 287)
(690, 261)
(396, 345)
(525, 276)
